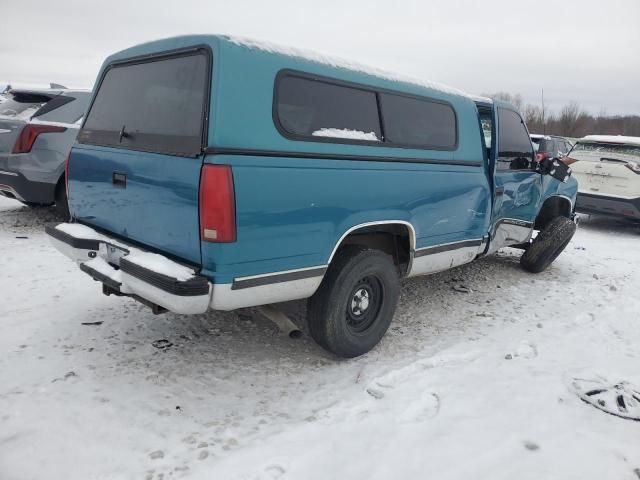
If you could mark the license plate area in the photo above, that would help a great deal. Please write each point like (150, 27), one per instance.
(112, 253)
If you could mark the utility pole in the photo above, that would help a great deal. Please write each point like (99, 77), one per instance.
(544, 123)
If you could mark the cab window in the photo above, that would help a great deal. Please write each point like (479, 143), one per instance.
(515, 151)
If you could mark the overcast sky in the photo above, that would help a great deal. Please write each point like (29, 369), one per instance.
(583, 50)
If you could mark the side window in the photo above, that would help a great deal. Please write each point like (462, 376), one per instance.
(514, 146)
(420, 123)
(156, 106)
(486, 122)
(313, 108)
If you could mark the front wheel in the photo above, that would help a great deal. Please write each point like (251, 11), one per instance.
(353, 307)
(549, 243)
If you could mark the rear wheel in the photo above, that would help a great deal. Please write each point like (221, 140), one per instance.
(549, 243)
(62, 205)
(354, 305)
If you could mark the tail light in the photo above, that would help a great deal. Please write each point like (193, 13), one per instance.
(29, 133)
(542, 156)
(633, 166)
(217, 204)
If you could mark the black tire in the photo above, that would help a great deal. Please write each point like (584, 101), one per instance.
(353, 307)
(62, 205)
(549, 243)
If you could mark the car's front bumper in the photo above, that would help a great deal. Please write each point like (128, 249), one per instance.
(605, 205)
(16, 185)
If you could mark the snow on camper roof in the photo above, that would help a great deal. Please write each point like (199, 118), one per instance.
(611, 139)
(342, 63)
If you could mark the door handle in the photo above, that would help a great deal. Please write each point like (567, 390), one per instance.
(119, 180)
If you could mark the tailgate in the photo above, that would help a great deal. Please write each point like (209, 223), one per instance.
(135, 171)
(149, 198)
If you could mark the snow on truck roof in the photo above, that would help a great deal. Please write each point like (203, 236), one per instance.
(610, 139)
(331, 61)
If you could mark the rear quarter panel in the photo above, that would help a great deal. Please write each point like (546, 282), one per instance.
(291, 212)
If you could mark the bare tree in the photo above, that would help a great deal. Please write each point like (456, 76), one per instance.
(572, 120)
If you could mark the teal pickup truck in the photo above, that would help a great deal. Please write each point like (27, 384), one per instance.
(218, 173)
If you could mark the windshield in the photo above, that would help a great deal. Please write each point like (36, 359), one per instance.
(22, 105)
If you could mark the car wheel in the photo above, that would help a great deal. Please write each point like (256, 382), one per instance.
(353, 307)
(62, 205)
(549, 243)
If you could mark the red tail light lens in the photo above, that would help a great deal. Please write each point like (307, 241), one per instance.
(634, 167)
(217, 204)
(542, 156)
(28, 136)
(568, 160)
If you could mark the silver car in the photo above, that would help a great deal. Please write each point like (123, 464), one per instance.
(37, 129)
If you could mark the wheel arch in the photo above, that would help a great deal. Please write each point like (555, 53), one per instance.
(554, 206)
(395, 237)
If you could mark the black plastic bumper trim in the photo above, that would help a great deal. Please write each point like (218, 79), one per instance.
(193, 287)
(80, 243)
(28, 190)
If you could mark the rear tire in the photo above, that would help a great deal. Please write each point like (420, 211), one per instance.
(353, 307)
(62, 204)
(549, 243)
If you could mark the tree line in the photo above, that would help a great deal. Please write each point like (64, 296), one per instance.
(572, 120)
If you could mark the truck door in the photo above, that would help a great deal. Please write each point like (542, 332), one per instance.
(517, 187)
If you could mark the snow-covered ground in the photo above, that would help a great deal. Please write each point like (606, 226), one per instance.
(465, 385)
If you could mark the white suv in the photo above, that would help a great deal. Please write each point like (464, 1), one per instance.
(608, 172)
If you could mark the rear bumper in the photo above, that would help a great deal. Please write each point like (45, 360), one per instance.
(604, 205)
(16, 185)
(125, 270)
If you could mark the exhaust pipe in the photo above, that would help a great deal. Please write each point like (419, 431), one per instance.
(283, 322)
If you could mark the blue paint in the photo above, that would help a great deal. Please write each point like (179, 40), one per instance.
(291, 212)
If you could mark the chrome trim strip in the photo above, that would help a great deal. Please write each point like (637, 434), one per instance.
(444, 247)
(281, 272)
(12, 174)
(412, 237)
(278, 277)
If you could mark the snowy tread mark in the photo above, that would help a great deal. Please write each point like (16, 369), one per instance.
(425, 408)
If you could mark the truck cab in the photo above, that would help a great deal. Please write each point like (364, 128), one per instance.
(217, 173)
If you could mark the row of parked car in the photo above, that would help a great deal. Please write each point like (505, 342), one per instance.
(607, 168)
(211, 172)
(38, 128)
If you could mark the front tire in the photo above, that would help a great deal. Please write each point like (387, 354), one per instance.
(353, 307)
(549, 243)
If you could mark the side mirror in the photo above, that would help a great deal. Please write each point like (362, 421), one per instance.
(555, 168)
